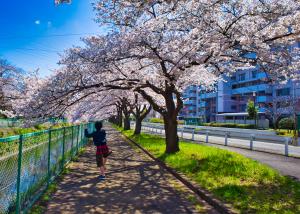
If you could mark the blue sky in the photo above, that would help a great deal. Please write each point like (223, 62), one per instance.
(33, 32)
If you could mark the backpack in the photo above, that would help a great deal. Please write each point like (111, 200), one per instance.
(100, 138)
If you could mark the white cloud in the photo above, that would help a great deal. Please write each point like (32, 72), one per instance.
(37, 22)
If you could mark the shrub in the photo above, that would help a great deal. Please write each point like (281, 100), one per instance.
(252, 109)
(159, 120)
(180, 122)
(40, 126)
(230, 125)
(156, 120)
(286, 123)
(280, 132)
(245, 126)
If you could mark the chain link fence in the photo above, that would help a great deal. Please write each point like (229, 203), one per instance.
(29, 162)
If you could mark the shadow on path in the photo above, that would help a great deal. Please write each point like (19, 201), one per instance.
(134, 184)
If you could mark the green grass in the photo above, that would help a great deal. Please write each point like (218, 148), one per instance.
(11, 131)
(249, 186)
(40, 206)
(283, 132)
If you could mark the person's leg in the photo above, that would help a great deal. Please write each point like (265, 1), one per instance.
(104, 162)
(99, 159)
(102, 169)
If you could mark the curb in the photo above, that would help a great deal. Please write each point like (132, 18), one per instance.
(205, 195)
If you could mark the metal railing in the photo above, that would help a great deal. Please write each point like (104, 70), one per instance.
(30, 162)
(250, 141)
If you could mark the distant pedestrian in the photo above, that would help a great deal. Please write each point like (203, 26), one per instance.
(102, 151)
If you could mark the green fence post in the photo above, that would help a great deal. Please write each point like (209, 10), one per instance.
(63, 148)
(83, 142)
(84, 138)
(72, 141)
(81, 137)
(18, 200)
(49, 154)
(77, 139)
(79, 134)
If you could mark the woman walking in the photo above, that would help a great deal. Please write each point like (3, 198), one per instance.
(102, 151)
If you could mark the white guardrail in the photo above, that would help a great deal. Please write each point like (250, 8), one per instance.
(258, 140)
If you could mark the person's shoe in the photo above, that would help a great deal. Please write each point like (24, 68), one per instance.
(102, 177)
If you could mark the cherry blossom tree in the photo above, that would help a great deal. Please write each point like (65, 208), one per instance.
(132, 103)
(157, 48)
(140, 111)
(188, 42)
(11, 83)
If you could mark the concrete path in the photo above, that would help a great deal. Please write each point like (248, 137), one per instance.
(134, 184)
(285, 165)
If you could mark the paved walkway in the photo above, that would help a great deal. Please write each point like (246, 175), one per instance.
(285, 165)
(134, 184)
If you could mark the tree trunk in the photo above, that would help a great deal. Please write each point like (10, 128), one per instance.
(138, 125)
(120, 119)
(126, 122)
(172, 140)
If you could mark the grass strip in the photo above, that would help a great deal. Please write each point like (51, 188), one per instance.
(40, 205)
(249, 186)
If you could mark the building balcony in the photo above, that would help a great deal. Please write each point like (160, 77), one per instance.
(264, 99)
(202, 104)
(189, 102)
(261, 75)
(192, 108)
(192, 95)
(250, 89)
(208, 95)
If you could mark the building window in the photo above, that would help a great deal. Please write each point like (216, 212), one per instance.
(283, 92)
(243, 107)
(242, 77)
(254, 74)
(233, 77)
(233, 107)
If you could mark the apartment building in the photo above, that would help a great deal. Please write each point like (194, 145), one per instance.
(230, 97)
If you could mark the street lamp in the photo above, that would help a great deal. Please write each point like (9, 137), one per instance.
(294, 103)
(254, 100)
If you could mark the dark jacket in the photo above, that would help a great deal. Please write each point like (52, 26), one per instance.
(99, 137)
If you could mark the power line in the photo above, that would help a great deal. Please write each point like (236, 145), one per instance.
(47, 36)
(42, 50)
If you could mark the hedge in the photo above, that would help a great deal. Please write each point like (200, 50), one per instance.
(230, 125)
(286, 123)
(156, 120)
